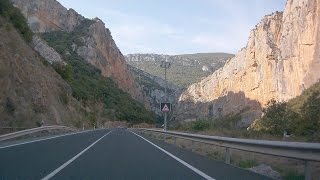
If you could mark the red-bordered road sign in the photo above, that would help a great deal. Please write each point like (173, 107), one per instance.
(165, 107)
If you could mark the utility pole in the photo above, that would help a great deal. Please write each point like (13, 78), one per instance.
(166, 65)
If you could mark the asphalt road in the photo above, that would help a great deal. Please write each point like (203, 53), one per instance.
(110, 154)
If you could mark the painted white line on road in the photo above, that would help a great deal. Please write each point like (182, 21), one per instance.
(53, 137)
(72, 159)
(177, 159)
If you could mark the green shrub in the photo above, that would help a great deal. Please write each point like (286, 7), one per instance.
(230, 121)
(291, 174)
(278, 117)
(65, 71)
(311, 115)
(247, 163)
(200, 125)
(9, 106)
(38, 124)
(64, 98)
(13, 14)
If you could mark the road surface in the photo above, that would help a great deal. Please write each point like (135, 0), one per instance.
(110, 154)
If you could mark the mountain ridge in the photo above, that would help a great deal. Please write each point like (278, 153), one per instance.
(185, 69)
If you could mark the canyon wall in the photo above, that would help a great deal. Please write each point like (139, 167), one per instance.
(280, 60)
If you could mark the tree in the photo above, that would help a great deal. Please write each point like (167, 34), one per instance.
(311, 114)
(278, 117)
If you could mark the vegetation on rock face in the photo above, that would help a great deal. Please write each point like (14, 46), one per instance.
(300, 116)
(87, 83)
(9, 106)
(14, 15)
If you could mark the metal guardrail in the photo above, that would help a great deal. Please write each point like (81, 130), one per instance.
(297, 150)
(30, 131)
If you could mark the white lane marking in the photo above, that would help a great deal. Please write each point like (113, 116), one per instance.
(178, 159)
(45, 139)
(72, 159)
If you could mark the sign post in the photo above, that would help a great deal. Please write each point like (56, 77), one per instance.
(166, 65)
(165, 108)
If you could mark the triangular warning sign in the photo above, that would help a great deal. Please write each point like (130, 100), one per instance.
(165, 108)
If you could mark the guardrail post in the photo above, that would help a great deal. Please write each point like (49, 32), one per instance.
(227, 155)
(307, 170)
(192, 146)
(175, 141)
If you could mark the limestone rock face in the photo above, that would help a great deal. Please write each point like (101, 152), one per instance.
(280, 60)
(98, 48)
(102, 52)
(48, 15)
(45, 50)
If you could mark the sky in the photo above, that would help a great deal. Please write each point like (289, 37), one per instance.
(178, 26)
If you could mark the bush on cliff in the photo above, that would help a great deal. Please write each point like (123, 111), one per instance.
(13, 14)
(300, 120)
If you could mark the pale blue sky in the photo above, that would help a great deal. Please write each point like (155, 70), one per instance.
(178, 26)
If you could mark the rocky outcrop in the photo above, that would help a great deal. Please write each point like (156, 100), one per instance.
(98, 46)
(280, 60)
(48, 15)
(45, 50)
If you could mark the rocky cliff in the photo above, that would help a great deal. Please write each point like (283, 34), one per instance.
(98, 46)
(280, 60)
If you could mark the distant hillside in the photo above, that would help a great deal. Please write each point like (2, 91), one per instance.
(185, 70)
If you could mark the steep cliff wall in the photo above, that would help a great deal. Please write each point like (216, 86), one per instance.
(98, 46)
(101, 51)
(280, 60)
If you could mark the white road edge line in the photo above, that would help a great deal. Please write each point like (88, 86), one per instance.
(177, 159)
(72, 159)
(53, 137)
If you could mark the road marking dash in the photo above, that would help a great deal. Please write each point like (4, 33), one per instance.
(177, 159)
(72, 159)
